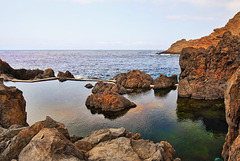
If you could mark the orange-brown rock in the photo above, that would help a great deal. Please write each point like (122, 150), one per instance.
(204, 73)
(163, 81)
(233, 26)
(101, 87)
(134, 79)
(50, 144)
(12, 106)
(18, 142)
(108, 101)
(231, 148)
(63, 76)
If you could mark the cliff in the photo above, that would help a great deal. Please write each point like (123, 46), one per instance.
(233, 26)
(204, 73)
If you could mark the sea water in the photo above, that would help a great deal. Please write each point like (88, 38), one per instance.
(196, 129)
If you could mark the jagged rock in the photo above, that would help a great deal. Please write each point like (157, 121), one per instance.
(108, 101)
(101, 87)
(231, 148)
(63, 76)
(233, 26)
(8, 73)
(134, 79)
(89, 85)
(119, 76)
(47, 73)
(18, 142)
(204, 73)
(50, 144)
(165, 82)
(12, 106)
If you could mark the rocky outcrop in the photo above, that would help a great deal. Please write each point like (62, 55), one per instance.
(12, 106)
(63, 76)
(165, 82)
(8, 73)
(134, 79)
(101, 87)
(50, 144)
(108, 101)
(114, 144)
(18, 142)
(231, 148)
(204, 73)
(233, 26)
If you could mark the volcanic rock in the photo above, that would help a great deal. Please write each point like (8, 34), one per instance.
(108, 101)
(134, 79)
(18, 142)
(165, 82)
(101, 87)
(233, 26)
(50, 144)
(204, 73)
(89, 85)
(12, 106)
(231, 148)
(63, 76)
(47, 73)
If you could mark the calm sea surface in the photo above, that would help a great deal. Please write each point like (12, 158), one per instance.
(196, 129)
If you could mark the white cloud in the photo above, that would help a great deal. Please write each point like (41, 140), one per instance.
(189, 17)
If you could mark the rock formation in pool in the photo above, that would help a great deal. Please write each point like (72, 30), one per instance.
(231, 148)
(163, 81)
(233, 26)
(12, 106)
(204, 73)
(64, 76)
(134, 79)
(8, 73)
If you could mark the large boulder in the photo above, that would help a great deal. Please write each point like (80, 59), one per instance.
(108, 101)
(47, 73)
(231, 148)
(165, 82)
(64, 76)
(134, 79)
(204, 73)
(18, 142)
(101, 87)
(233, 26)
(12, 106)
(50, 144)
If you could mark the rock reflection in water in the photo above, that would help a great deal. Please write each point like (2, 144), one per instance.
(163, 92)
(210, 112)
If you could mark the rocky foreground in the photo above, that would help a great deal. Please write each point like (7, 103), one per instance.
(50, 140)
(233, 26)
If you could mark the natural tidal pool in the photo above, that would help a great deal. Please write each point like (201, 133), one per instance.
(196, 129)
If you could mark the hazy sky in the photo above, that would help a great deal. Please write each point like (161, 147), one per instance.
(108, 24)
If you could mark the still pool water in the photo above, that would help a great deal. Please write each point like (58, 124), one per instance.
(196, 129)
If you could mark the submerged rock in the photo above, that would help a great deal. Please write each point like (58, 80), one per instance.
(233, 26)
(204, 73)
(50, 144)
(108, 101)
(12, 107)
(165, 82)
(231, 148)
(134, 79)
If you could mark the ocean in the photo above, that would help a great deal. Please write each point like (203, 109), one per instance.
(196, 129)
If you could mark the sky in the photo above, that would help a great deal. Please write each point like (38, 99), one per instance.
(108, 24)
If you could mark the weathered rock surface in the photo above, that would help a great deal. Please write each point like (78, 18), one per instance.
(8, 73)
(63, 76)
(50, 144)
(204, 73)
(233, 26)
(12, 106)
(18, 142)
(108, 101)
(165, 82)
(101, 87)
(231, 148)
(134, 79)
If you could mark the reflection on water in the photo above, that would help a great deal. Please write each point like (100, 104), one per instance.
(196, 132)
(163, 92)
